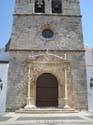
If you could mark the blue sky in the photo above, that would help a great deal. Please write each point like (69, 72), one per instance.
(6, 20)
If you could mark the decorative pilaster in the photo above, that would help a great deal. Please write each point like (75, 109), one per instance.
(29, 105)
(66, 106)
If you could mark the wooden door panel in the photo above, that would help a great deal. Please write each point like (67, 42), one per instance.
(47, 90)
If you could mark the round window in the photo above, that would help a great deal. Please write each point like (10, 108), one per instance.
(47, 33)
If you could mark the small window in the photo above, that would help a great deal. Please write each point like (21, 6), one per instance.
(47, 33)
(56, 6)
(39, 6)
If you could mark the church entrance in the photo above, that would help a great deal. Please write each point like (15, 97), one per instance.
(47, 91)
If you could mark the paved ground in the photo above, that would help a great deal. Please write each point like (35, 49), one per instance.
(81, 118)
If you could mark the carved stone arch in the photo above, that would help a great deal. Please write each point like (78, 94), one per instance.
(50, 72)
(57, 75)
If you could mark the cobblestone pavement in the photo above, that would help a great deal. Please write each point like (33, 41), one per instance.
(81, 118)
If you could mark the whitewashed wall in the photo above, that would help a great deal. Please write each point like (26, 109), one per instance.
(3, 76)
(89, 66)
(90, 91)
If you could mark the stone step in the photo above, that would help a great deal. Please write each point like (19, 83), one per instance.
(61, 123)
(45, 110)
(49, 123)
(46, 119)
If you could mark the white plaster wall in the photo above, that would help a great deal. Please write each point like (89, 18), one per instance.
(90, 91)
(3, 76)
(89, 67)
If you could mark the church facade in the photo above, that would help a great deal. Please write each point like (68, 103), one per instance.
(47, 56)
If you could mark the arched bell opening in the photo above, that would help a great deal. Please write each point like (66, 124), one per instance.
(56, 6)
(39, 6)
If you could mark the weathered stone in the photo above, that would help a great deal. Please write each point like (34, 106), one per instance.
(27, 41)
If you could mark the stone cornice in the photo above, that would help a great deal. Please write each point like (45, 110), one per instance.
(82, 50)
(35, 14)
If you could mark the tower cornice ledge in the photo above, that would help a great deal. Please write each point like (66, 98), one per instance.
(43, 14)
(82, 50)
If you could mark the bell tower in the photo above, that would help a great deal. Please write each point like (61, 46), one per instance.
(47, 24)
(52, 29)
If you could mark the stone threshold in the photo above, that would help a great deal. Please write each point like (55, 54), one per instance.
(46, 110)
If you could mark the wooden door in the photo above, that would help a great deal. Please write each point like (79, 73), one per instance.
(47, 90)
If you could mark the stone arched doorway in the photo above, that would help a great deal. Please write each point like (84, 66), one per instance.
(46, 90)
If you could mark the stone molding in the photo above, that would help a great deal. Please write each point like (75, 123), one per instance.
(49, 64)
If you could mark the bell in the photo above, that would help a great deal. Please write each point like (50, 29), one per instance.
(56, 6)
(39, 6)
(39, 3)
